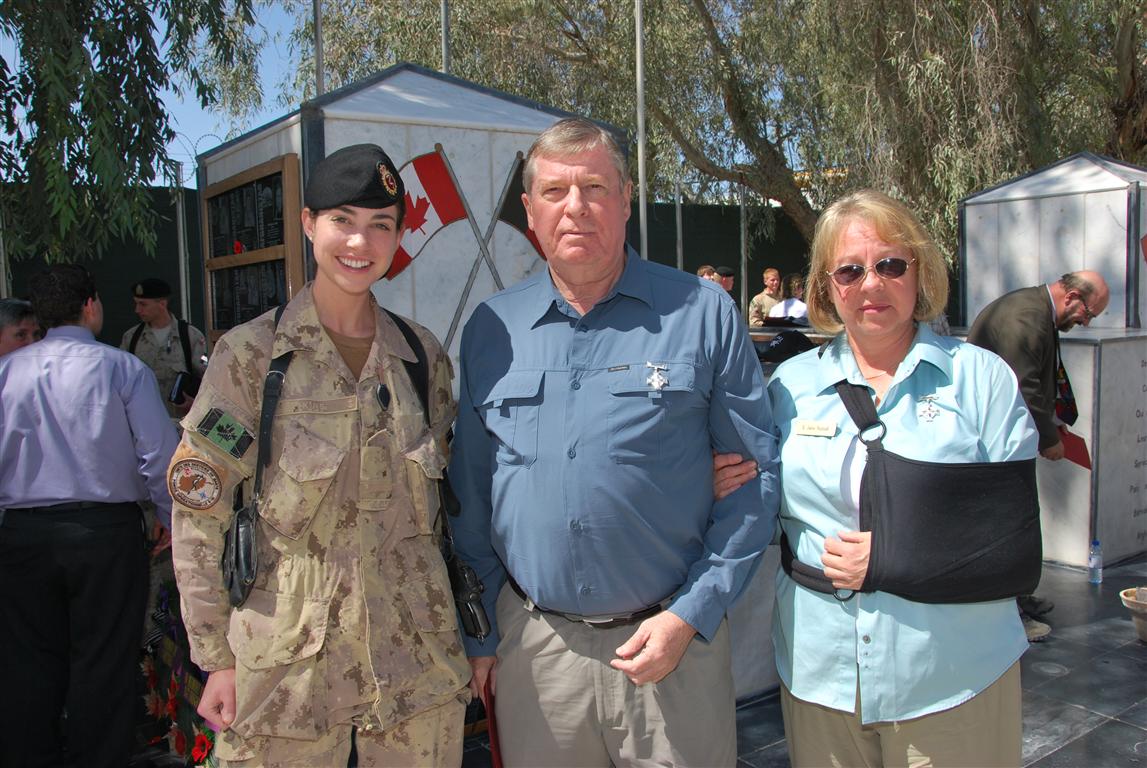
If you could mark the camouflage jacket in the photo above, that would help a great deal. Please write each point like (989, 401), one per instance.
(759, 307)
(352, 614)
(166, 359)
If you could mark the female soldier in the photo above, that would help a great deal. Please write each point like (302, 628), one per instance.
(349, 634)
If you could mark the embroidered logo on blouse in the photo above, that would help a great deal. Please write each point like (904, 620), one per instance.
(926, 409)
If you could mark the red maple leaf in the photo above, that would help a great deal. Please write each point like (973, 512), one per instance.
(416, 213)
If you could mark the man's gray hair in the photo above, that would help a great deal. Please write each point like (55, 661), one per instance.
(570, 137)
(1073, 282)
(15, 311)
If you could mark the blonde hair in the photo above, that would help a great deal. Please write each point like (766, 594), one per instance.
(894, 224)
(569, 138)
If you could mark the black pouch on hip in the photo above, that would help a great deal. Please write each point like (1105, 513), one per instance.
(240, 550)
(240, 553)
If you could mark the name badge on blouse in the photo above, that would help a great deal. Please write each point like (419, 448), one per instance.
(814, 428)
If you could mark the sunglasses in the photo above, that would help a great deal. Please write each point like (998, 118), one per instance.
(849, 274)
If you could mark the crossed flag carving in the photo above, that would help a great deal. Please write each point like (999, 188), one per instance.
(434, 200)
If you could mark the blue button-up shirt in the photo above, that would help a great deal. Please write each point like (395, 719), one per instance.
(81, 421)
(949, 401)
(582, 451)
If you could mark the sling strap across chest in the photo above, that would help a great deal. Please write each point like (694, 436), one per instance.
(941, 532)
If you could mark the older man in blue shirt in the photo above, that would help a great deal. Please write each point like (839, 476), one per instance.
(592, 397)
(83, 438)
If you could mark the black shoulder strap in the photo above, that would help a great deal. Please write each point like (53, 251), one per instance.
(859, 405)
(185, 342)
(131, 345)
(272, 391)
(418, 371)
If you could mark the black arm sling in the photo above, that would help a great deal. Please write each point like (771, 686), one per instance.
(941, 532)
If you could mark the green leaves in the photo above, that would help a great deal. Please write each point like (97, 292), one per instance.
(83, 126)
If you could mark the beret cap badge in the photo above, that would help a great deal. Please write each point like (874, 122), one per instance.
(387, 179)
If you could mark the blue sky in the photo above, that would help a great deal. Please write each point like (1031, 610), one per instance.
(198, 130)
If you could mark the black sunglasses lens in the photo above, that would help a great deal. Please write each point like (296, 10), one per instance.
(847, 274)
(891, 267)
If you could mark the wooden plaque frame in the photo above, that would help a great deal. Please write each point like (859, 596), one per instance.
(290, 251)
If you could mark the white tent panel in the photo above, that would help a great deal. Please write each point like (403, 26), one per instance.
(1019, 246)
(1061, 236)
(1077, 174)
(1105, 248)
(257, 147)
(982, 257)
(411, 97)
(1139, 258)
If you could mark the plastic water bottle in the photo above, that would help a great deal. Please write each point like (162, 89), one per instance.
(1095, 563)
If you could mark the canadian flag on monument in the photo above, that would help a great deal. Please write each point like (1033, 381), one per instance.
(432, 202)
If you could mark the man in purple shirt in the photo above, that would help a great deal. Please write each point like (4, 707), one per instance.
(84, 437)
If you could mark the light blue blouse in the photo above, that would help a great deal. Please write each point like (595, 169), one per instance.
(949, 401)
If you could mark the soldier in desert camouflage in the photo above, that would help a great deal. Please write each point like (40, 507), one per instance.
(349, 635)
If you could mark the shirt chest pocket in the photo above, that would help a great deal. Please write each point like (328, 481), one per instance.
(650, 408)
(302, 478)
(511, 413)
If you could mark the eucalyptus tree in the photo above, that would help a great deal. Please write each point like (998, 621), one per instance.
(84, 129)
(799, 100)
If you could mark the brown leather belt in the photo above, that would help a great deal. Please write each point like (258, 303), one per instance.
(605, 622)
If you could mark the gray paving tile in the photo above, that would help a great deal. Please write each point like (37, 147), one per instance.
(1050, 659)
(1102, 634)
(759, 725)
(1049, 724)
(1136, 715)
(1111, 745)
(1107, 684)
(776, 756)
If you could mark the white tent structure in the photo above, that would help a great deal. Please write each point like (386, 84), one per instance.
(411, 111)
(1083, 212)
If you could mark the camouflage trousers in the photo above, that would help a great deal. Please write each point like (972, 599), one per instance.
(432, 739)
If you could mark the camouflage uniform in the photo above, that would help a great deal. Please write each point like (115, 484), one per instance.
(351, 620)
(166, 359)
(759, 307)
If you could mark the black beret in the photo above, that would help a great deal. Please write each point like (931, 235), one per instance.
(151, 288)
(361, 175)
(726, 272)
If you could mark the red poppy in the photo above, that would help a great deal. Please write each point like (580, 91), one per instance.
(201, 749)
(180, 742)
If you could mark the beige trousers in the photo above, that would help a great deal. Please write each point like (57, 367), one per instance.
(559, 703)
(986, 730)
(432, 739)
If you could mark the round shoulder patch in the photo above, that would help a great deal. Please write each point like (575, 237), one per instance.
(194, 483)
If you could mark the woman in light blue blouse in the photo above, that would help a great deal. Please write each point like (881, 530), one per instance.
(878, 679)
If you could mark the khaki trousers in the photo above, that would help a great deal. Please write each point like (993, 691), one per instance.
(986, 730)
(559, 703)
(432, 739)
